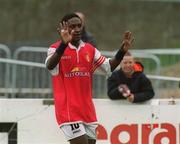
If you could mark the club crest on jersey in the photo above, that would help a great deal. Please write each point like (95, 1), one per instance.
(87, 57)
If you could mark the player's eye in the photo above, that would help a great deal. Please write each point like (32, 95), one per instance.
(79, 25)
(72, 26)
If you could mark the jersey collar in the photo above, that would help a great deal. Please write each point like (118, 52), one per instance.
(81, 44)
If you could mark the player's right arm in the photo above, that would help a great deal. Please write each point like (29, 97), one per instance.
(54, 57)
(52, 62)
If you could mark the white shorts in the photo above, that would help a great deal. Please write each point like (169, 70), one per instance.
(75, 130)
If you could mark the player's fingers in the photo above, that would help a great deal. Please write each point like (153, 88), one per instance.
(61, 25)
(126, 34)
(65, 26)
(132, 40)
(129, 35)
(58, 30)
(72, 32)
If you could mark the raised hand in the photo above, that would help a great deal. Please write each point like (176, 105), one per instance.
(127, 41)
(64, 32)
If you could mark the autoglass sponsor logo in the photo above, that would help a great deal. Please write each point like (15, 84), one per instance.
(78, 72)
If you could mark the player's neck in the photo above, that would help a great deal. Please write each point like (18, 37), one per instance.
(75, 43)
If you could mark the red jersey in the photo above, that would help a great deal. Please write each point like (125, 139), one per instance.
(72, 83)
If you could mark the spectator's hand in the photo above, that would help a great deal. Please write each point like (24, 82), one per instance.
(124, 90)
(130, 98)
(127, 41)
(64, 32)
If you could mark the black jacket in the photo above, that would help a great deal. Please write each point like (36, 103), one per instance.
(139, 85)
(87, 37)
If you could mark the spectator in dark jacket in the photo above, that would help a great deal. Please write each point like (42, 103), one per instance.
(129, 82)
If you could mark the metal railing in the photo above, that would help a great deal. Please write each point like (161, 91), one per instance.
(5, 68)
(35, 54)
(27, 73)
(139, 54)
(46, 92)
(12, 90)
(167, 51)
(167, 56)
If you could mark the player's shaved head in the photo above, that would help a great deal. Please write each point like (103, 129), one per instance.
(69, 16)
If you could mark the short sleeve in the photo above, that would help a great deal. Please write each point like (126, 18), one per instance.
(101, 64)
(50, 52)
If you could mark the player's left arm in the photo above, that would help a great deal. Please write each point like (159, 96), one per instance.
(106, 65)
(126, 44)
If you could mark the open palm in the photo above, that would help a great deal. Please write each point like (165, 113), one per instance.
(127, 40)
(63, 31)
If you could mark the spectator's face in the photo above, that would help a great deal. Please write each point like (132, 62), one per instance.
(75, 24)
(127, 65)
(82, 18)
